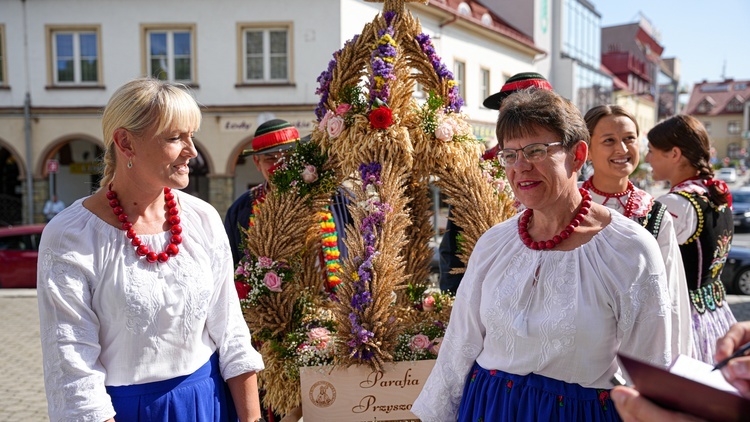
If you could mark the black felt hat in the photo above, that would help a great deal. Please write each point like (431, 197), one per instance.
(517, 82)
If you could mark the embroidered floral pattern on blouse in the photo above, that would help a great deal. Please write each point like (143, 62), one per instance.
(696, 186)
(508, 386)
(560, 401)
(642, 202)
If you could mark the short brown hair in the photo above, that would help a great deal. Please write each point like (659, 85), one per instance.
(523, 113)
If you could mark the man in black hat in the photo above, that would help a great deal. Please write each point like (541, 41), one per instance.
(448, 244)
(272, 140)
(269, 145)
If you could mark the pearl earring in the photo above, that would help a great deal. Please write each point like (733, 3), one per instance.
(130, 163)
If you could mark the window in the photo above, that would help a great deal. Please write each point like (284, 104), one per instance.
(707, 125)
(266, 54)
(735, 105)
(75, 53)
(2, 56)
(734, 127)
(484, 84)
(459, 74)
(705, 106)
(170, 53)
(464, 9)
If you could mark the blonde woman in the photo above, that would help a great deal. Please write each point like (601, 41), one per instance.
(139, 315)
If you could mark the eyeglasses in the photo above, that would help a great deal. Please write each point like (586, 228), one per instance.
(533, 153)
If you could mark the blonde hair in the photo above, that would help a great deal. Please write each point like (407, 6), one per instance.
(142, 105)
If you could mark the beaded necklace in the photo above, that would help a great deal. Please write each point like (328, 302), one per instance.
(330, 248)
(629, 205)
(330, 254)
(523, 225)
(142, 250)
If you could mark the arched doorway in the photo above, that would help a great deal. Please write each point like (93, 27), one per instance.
(78, 171)
(11, 195)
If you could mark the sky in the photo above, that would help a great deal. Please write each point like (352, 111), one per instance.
(711, 38)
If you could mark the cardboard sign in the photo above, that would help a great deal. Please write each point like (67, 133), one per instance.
(359, 394)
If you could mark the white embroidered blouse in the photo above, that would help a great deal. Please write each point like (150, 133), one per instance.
(682, 332)
(110, 318)
(605, 296)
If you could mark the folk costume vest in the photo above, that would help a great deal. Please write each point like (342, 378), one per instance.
(705, 252)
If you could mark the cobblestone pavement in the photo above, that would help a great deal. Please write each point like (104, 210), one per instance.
(22, 397)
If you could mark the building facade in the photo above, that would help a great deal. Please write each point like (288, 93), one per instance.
(724, 109)
(245, 62)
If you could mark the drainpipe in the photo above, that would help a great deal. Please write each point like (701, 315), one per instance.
(29, 160)
(448, 22)
(27, 126)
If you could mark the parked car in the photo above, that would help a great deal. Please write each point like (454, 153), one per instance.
(727, 174)
(741, 208)
(19, 249)
(736, 274)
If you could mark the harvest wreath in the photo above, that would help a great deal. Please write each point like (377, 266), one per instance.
(386, 147)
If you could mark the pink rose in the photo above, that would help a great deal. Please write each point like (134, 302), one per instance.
(335, 126)
(444, 131)
(419, 342)
(309, 173)
(272, 281)
(324, 121)
(435, 348)
(499, 184)
(343, 108)
(265, 262)
(428, 303)
(319, 336)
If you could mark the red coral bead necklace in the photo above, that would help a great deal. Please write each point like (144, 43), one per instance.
(173, 219)
(630, 204)
(523, 225)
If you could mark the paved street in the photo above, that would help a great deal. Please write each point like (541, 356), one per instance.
(21, 380)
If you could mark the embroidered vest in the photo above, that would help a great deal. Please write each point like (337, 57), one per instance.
(705, 252)
(652, 221)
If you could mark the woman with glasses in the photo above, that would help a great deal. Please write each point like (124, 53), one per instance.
(614, 155)
(679, 151)
(552, 295)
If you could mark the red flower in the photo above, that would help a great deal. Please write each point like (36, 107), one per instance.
(242, 289)
(493, 372)
(381, 118)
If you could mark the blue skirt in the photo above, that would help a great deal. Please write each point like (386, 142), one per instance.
(493, 396)
(202, 396)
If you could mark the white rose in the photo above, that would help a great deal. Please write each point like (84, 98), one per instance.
(335, 126)
(444, 131)
(309, 174)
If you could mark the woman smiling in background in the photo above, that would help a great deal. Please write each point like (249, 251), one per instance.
(614, 154)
